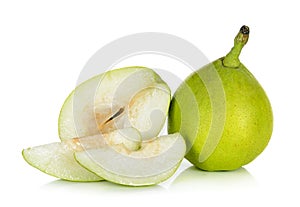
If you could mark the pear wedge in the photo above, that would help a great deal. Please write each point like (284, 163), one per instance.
(57, 159)
(154, 162)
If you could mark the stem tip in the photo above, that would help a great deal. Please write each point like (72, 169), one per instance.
(245, 30)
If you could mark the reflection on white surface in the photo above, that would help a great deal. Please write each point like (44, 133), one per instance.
(189, 179)
(97, 187)
(195, 179)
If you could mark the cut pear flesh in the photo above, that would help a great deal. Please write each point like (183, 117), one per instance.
(115, 115)
(154, 162)
(128, 97)
(57, 159)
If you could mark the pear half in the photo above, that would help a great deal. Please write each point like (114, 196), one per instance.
(57, 159)
(154, 162)
(118, 116)
(127, 97)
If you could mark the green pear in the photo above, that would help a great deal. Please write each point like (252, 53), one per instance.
(222, 112)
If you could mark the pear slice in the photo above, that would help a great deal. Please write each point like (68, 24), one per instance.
(128, 97)
(57, 159)
(154, 162)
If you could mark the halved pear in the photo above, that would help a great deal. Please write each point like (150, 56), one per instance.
(154, 162)
(128, 97)
(57, 159)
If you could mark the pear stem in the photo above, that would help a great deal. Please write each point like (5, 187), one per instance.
(232, 58)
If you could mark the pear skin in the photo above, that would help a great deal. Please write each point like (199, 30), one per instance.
(223, 113)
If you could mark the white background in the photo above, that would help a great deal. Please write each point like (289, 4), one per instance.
(44, 46)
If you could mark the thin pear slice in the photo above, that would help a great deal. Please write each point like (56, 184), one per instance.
(156, 161)
(128, 97)
(57, 159)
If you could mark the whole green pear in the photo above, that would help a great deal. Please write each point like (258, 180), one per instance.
(222, 112)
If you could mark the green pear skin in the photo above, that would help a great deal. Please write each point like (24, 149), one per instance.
(222, 112)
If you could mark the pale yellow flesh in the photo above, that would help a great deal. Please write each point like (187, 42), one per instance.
(133, 97)
(155, 162)
(128, 97)
(57, 159)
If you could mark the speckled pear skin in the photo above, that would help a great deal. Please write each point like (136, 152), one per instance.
(248, 119)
